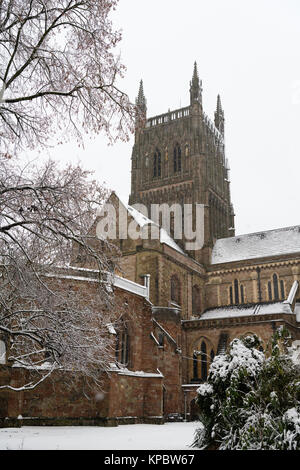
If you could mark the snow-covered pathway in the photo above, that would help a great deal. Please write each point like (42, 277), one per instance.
(171, 436)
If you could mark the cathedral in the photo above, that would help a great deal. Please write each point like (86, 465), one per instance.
(182, 305)
(232, 285)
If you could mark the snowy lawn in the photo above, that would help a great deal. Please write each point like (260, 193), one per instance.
(169, 436)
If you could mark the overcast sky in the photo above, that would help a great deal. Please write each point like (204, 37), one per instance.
(249, 52)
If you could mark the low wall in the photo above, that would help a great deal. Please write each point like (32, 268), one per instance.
(61, 400)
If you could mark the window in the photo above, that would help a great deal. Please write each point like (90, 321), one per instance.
(157, 164)
(195, 366)
(203, 361)
(273, 288)
(242, 295)
(236, 293)
(275, 285)
(175, 290)
(282, 290)
(231, 295)
(124, 359)
(123, 346)
(177, 159)
(270, 290)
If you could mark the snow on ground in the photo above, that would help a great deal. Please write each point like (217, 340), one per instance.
(169, 436)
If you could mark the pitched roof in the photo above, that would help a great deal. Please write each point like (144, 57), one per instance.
(257, 245)
(246, 310)
(142, 220)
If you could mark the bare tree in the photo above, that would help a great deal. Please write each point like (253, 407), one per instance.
(58, 71)
(45, 322)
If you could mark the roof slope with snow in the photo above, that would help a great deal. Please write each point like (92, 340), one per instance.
(142, 220)
(257, 245)
(247, 310)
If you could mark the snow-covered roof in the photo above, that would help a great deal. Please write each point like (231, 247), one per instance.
(142, 221)
(257, 245)
(90, 275)
(246, 310)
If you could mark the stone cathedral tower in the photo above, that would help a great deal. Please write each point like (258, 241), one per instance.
(179, 157)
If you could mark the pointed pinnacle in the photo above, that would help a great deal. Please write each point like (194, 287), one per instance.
(141, 89)
(195, 73)
(219, 105)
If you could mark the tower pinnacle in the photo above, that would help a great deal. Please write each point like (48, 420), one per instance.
(141, 103)
(219, 116)
(196, 87)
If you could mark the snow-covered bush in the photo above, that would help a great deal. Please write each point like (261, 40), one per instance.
(250, 400)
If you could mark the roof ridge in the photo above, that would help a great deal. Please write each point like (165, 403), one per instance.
(280, 229)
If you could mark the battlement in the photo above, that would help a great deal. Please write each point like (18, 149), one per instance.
(168, 117)
(181, 113)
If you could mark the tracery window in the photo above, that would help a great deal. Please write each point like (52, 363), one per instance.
(123, 345)
(202, 360)
(273, 288)
(157, 164)
(237, 293)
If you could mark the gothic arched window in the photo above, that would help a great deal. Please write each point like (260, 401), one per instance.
(202, 356)
(124, 359)
(177, 159)
(157, 164)
(196, 300)
(236, 291)
(270, 290)
(123, 346)
(203, 361)
(231, 295)
(275, 286)
(195, 366)
(242, 295)
(175, 290)
(282, 290)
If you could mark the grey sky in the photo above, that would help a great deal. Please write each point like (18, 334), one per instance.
(249, 52)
